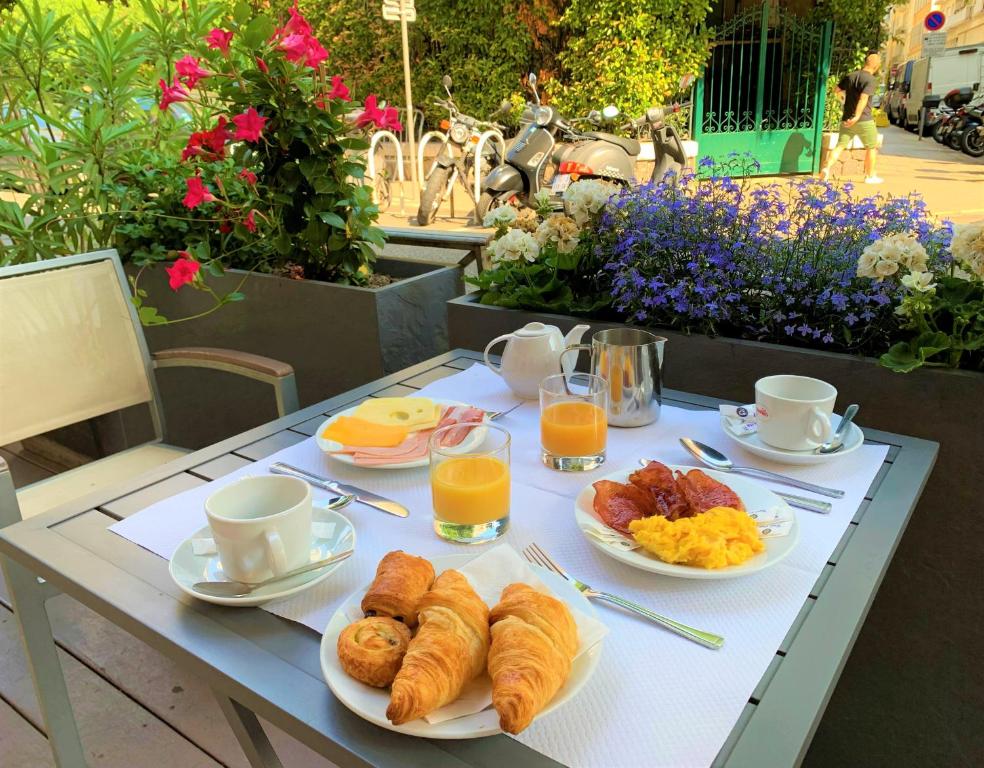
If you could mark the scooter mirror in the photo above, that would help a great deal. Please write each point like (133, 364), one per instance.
(594, 117)
(505, 107)
(532, 79)
(610, 112)
(447, 81)
(686, 81)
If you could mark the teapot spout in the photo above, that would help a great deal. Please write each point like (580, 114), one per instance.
(574, 337)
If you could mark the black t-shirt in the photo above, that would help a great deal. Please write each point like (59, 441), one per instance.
(853, 86)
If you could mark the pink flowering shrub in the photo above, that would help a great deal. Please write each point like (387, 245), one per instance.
(271, 171)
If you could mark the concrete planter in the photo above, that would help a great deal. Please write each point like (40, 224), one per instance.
(337, 337)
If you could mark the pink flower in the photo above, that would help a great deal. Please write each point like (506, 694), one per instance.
(315, 53)
(262, 65)
(215, 140)
(250, 221)
(249, 125)
(372, 114)
(183, 271)
(171, 94)
(295, 47)
(197, 194)
(189, 71)
(338, 89)
(297, 25)
(219, 39)
(248, 176)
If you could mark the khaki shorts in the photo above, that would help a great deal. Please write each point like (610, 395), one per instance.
(866, 130)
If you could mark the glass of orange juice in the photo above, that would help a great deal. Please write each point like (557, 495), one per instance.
(470, 489)
(573, 421)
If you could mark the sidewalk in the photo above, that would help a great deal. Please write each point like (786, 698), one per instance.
(951, 183)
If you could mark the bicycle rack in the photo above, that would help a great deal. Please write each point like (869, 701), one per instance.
(421, 146)
(377, 138)
(489, 135)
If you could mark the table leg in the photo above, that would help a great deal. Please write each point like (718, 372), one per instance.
(249, 733)
(28, 595)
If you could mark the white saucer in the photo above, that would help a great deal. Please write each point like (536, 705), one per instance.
(370, 703)
(753, 444)
(752, 494)
(471, 441)
(187, 568)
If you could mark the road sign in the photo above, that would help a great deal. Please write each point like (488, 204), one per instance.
(933, 43)
(394, 10)
(934, 21)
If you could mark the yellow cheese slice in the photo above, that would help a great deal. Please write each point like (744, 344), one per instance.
(414, 413)
(360, 433)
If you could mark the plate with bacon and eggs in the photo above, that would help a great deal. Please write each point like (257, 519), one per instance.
(684, 521)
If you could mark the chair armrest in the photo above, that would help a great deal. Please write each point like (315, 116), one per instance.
(278, 374)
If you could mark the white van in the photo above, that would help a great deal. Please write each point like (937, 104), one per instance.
(937, 75)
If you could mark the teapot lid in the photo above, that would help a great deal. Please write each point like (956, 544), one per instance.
(534, 330)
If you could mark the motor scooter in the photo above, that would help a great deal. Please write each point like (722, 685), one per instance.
(964, 120)
(535, 152)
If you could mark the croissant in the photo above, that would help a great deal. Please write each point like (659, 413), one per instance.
(449, 649)
(534, 640)
(401, 580)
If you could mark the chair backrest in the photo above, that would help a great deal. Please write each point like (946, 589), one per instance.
(71, 345)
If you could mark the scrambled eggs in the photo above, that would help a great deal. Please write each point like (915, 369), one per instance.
(719, 537)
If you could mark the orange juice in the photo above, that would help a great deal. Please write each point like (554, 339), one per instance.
(573, 428)
(470, 490)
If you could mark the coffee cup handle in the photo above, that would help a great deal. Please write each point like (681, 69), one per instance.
(276, 552)
(820, 427)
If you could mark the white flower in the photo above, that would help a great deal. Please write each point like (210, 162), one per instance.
(866, 264)
(919, 281)
(559, 229)
(967, 247)
(883, 257)
(585, 198)
(542, 198)
(515, 245)
(886, 268)
(502, 216)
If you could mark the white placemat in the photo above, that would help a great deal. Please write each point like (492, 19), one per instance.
(656, 699)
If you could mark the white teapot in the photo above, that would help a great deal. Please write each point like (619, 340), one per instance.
(532, 353)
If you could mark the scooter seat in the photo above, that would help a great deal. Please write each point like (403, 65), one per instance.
(631, 146)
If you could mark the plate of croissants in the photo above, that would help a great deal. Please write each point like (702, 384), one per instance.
(428, 654)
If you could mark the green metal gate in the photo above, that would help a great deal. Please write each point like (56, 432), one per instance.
(763, 91)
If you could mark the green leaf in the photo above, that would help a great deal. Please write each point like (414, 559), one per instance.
(332, 219)
(234, 296)
(258, 31)
(150, 316)
(242, 12)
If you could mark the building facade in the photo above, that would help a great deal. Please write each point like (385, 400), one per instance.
(964, 26)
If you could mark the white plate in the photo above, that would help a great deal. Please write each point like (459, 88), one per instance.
(472, 441)
(753, 444)
(752, 495)
(187, 568)
(370, 703)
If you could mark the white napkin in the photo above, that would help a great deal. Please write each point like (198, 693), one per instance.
(739, 420)
(477, 386)
(489, 574)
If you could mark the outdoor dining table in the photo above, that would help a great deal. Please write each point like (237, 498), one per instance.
(259, 664)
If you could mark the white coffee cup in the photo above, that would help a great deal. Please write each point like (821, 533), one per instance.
(793, 412)
(261, 526)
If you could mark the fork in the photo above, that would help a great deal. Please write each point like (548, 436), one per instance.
(493, 415)
(537, 556)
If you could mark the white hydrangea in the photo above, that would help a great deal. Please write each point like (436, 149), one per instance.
(559, 229)
(583, 199)
(515, 245)
(920, 282)
(967, 247)
(884, 257)
(502, 216)
(542, 198)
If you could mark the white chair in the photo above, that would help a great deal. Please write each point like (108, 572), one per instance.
(72, 348)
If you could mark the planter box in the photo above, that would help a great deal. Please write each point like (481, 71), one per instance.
(337, 337)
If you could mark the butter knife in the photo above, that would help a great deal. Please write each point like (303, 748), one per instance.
(362, 496)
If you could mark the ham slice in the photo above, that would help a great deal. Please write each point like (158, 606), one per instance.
(467, 416)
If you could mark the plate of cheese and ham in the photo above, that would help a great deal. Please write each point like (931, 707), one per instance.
(394, 432)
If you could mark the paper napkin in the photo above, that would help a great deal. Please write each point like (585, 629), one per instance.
(489, 574)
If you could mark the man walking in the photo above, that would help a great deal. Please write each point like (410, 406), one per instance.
(857, 89)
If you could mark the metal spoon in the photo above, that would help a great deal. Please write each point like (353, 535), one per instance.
(717, 460)
(243, 588)
(836, 441)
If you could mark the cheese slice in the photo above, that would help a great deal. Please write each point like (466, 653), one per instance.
(413, 413)
(360, 433)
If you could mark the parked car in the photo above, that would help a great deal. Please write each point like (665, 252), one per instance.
(898, 93)
(955, 68)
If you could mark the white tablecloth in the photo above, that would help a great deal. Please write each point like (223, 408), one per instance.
(656, 699)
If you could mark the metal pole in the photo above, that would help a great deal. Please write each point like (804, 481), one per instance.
(406, 86)
(922, 123)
